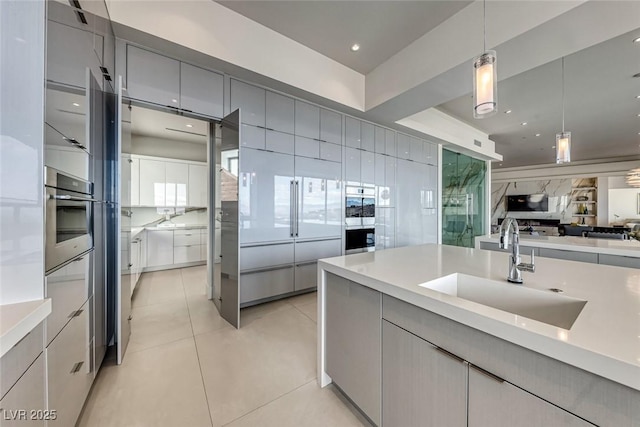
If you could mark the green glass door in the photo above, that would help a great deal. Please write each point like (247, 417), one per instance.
(463, 198)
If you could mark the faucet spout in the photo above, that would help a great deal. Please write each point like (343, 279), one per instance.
(509, 230)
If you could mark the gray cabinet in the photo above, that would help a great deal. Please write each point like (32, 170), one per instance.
(201, 90)
(307, 122)
(497, 403)
(279, 113)
(330, 126)
(352, 132)
(352, 166)
(70, 51)
(367, 136)
(152, 77)
(619, 261)
(25, 404)
(569, 255)
(257, 286)
(353, 342)
(367, 168)
(422, 385)
(524, 250)
(16, 361)
(379, 142)
(389, 142)
(251, 102)
(403, 146)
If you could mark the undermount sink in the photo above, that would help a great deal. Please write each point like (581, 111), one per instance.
(543, 306)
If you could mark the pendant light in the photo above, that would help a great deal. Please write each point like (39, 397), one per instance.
(485, 90)
(563, 139)
(633, 177)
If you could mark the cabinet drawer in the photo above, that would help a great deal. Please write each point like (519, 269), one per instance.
(307, 147)
(27, 395)
(264, 284)
(16, 361)
(183, 254)
(331, 152)
(186, 238)
(311, 251)
(69, 369)
(265, 256)
(306, 276)
(68, 289)
(279, 142)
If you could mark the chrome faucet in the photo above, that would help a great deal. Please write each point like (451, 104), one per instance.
(515, 266)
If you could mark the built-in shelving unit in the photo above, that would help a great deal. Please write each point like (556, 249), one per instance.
(584, 204)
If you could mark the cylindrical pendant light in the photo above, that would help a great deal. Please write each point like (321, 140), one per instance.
(563, 139)
(485, 81)
(633, 177)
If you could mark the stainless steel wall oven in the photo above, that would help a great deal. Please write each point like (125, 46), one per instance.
(69, 218)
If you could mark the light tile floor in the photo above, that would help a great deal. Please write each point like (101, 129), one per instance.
(186, 366)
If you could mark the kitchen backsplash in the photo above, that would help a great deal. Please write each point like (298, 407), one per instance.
(148, 216)
(558, 190)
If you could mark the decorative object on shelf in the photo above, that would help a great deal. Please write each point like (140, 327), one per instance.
(582, 198)
(485, 92)
(633, 177)
(563, 139)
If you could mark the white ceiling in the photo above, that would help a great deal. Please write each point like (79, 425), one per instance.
(382, 28)
(601, 108)
(157, 124)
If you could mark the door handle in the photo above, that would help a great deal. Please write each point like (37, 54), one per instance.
(292, 203)
(297, 183)
(76, 367)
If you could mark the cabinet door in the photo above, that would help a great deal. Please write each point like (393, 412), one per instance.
(352, 132)
(251, 102)
(306, 276)
(319, 203)
(367, 136)
(367, 168)
(69, 53)
(421, 386)
(264, 193)
(497, 403)
(330, 126)
(279, 112)
(185, 254)
(152, 183)
(403, 146)
(352, 166)
(430, 153)
(280, 142)
(198, 184)
(379, 140)
(408, 204)
(201, 91)
(417, 150)
(569, 255)
(353, 342)
(390, 181)
(152, 77)
(135, 181)
(177, 178)
(159, 248)
(252, 137)
(617, 260)
(389, 142)
(134, 249)
(28, 394)
(428, 202)
(379, 181)
(307, 120)
(332, 152)
(307, 147)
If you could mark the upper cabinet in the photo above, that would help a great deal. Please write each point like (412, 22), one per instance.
(168, 82)
(279, 113)
(201, 91)
(165, 183)
(330, 126)
(307, 120)
(251, 102)
(367, 136)
(352, 132)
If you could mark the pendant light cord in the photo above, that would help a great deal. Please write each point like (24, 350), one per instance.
(563, 94)
(484, 26)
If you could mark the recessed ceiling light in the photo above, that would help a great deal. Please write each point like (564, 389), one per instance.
(523, 123)
(189, 125)
(355, 47)
(75, 104)
(537, 134)
(500, 164)
(508, 112)
(636, 40)
(637, 96)
(553, 146)
(174, 100)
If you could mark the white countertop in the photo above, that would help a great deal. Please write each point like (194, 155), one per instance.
(604, 340)
(629, 248)
(17, 320)
(176, 227)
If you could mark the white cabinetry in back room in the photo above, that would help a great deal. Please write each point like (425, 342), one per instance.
(159, 248)
(168, 82)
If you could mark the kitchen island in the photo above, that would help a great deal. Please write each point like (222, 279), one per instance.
(436, 333)
(621, 253)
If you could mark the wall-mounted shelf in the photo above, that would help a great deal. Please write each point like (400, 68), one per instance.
(583, 188)
(586, 202)
(584, 215)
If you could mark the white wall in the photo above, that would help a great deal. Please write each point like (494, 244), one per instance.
(624, 202)
(172, 149)
(22, 65)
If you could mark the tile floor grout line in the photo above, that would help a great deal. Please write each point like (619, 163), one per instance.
(305, 315)
(269, 402)
(156, 345)
(195, 343)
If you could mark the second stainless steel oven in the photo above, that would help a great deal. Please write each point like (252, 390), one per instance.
(69, 218)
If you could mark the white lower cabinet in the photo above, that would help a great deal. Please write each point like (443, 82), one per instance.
(159, 248)
(186, 254)
(422, 386)
(187, 246)
(70, 369)
(25, 404)
(497, 403)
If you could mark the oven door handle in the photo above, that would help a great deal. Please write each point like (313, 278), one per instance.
(74, 198)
